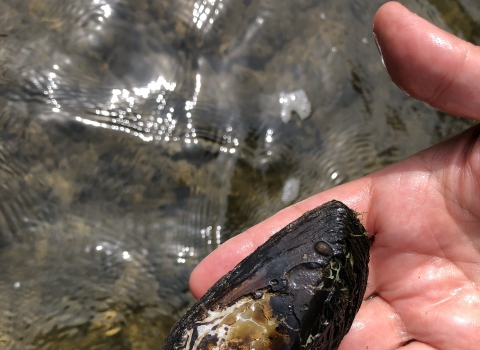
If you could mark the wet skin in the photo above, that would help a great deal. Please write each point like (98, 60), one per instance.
(424, 211)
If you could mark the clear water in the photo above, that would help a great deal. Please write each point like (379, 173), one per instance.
(136, 136)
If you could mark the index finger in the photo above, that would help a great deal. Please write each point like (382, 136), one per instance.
(355, 195)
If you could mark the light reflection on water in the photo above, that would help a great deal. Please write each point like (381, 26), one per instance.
(137, 136)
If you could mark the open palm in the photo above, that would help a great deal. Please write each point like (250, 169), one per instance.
(423, 211)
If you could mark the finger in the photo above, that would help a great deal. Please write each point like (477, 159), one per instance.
(376, 327)
(428, 63)
(361, 195)
(354, 194)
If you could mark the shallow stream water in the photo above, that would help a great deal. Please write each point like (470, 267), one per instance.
(136, 136)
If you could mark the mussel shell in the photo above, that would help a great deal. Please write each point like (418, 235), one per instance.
(299, 290)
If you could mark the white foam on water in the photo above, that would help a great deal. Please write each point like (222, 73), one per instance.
(295, 101)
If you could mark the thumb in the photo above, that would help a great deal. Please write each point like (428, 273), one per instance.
(427, 62)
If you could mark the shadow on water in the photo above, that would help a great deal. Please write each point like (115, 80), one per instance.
(137, 136)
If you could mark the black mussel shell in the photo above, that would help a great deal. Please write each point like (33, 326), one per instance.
(299, 290)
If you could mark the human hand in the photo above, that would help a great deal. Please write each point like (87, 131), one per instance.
(424, 211)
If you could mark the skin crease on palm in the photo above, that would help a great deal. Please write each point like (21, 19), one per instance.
(424, 211)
